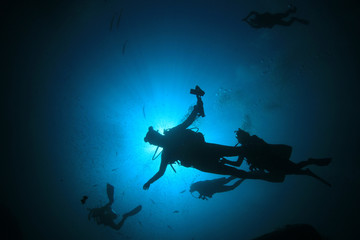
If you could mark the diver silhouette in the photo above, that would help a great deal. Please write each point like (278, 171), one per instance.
(269, 20)
(106, 216)
(189, 149)
(208, 188)
(274, 158)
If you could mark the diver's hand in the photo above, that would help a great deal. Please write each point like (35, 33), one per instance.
(146, 186)
(199, 107)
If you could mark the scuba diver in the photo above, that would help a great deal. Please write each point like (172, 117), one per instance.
(273, 158)
(106, 216)
(208, 188)
(189, 149)
(269, 20)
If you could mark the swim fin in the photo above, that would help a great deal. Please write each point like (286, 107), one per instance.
(133, 212)
(110, 192)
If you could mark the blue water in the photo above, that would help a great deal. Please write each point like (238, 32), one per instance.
(82, 92)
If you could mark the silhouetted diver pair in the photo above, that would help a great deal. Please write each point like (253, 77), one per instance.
(189, 149)
(274, 158)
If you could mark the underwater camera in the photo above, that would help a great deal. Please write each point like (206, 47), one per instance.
(197, 91)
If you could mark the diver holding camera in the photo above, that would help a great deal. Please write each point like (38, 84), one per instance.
(189, 149)
(199, 93)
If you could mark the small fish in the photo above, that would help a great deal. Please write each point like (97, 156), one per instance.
(118, 21)
(183, 191)
(95, 185)
(152, 201)
(176, 211)
(143, 111)
(169, 227)
(124, 47)
(112, 22)
(114, 169)
(83, 200)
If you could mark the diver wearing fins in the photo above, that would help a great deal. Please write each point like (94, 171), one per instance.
(274, 158)
(189, 148)
(269, 20)
(105, 215)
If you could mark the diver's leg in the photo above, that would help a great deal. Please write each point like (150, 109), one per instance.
(271, 177)
(232, 163)
(300, 20)
(310, 173)
(291, 21)
(227, 170)
(119, 225)
(228, 179)
(314, 161)
(133, 212)
(285, 23)
(281, 15)
(125, 216)
(236, 184)
(232, 187)
(231, 178)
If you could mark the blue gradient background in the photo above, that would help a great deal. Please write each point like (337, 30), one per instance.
(76, 110)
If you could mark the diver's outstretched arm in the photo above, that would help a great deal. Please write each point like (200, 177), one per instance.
(196, 112)
(158, 175)
(231, 163)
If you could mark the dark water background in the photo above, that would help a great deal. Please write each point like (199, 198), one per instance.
(80, 89)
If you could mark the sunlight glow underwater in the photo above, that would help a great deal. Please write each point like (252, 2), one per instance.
(114, 99)
(119, 118)
(87, 80)
(110, 103)
(132, 161)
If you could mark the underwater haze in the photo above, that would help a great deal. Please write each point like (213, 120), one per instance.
(82, 81)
